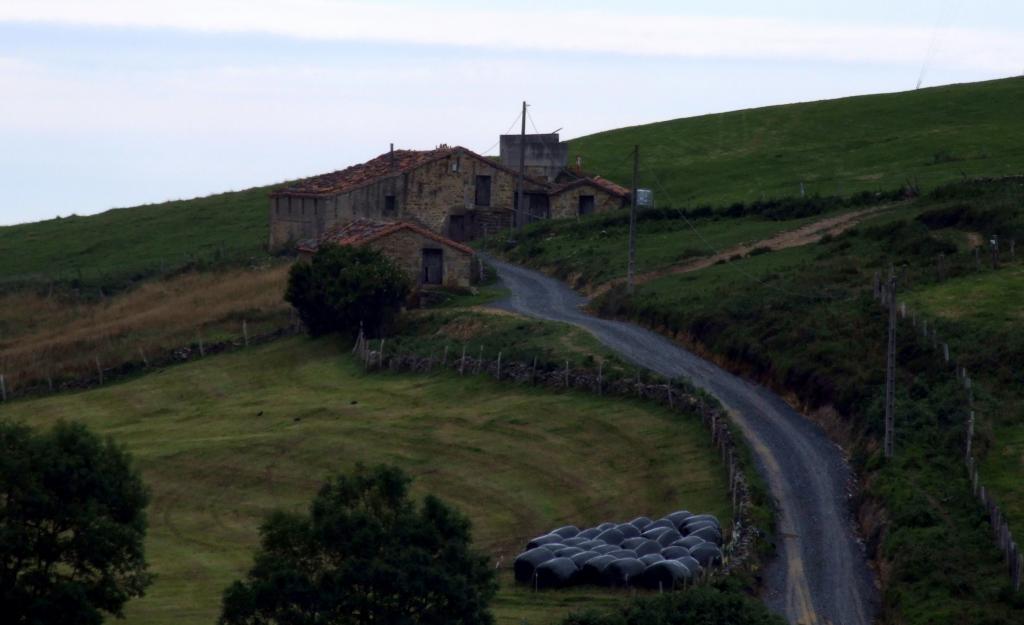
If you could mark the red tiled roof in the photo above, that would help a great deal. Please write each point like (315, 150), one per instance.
(387, 164)
(364, 231)
(597, 181)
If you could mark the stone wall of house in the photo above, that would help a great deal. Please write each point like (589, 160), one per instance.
(427, 195)
(567, 203)
(406, 247)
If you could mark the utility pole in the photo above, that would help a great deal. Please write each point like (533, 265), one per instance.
(520, 203)
(631, 267)
(890, 369)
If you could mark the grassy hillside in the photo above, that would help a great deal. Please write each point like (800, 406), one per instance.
(222, 441)
(121, 246)
(802, 320)
(835, 147)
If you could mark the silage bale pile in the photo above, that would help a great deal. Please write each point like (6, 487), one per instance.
(660, 555)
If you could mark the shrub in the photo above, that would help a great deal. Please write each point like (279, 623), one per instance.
(345, 288)
(700, 606)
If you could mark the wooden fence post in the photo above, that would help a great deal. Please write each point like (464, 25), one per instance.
(444, 359)
(462, 362)
(99, 369)
(480, 359)
(970, 433)
(945, 352)
(202, 352)
(499, 365)
(3, 388)
(566, 374)
(245, 332)
(600, 381)
(671, 404)
(380, 355)
(533, 371)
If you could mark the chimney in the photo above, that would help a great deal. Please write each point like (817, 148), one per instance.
(579, 163)
(392, 155)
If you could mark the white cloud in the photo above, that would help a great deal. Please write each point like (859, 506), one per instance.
(551, 30)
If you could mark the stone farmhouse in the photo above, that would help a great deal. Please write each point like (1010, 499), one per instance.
(428, 258)
(451, 191)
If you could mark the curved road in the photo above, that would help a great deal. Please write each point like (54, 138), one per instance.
(821, 576)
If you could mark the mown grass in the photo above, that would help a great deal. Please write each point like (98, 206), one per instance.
(222, 441)
(834, 147)
(802, 321)
(117, 248)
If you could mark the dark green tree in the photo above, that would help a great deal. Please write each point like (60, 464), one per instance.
(72, 524)
(364, 554)
(346, 287)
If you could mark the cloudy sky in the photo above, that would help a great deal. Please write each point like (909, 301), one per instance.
(108, 103)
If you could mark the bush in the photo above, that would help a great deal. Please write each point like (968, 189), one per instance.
(345, 288)
(365, 554)
(700, 606)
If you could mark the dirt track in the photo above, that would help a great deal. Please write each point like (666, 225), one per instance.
(804, 235)
(820, 576)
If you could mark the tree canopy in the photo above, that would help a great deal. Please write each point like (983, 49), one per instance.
(72, 524)
(365, 553)
(347, 287)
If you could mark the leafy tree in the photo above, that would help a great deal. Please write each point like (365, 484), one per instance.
(700, 606)
(345, 287)
(72, 523)
(365, 553)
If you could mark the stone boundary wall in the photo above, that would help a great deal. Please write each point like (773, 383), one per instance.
(679, 397)
(1013, 557)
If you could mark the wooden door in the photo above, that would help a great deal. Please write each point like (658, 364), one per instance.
(433, 266)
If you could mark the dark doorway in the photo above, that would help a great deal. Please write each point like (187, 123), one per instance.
(457, 227)
(483, 191)
(586, 205)
(433, 266)
(538, 206)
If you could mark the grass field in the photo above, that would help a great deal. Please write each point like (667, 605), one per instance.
(122, 246)
(834, 147)
(222, 441)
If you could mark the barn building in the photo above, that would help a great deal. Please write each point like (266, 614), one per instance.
(428, 258)
(451, 191)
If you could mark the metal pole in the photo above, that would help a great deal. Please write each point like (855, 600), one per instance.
(631, 266)
(520, 202)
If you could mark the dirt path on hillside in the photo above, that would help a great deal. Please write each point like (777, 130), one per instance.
(804, 235)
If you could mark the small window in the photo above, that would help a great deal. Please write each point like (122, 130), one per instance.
(483, 191)
(455, 166)
(389, 204)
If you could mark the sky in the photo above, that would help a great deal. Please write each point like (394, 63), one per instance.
(114, 103)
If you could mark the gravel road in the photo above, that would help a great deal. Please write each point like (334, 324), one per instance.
(821, 575)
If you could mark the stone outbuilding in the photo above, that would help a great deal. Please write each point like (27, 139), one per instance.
(451, 191)
(429, 259)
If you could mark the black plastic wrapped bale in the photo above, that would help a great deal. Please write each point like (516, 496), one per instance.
(623, 553)
(698, 518)
(583, 557)
(707, 554)
(527, 562)
(673, 552)
(690, 541)
(593, 571)
(700, 525)
(555, 573)
(567, 552)
(574, 542)
(628, 530)
(546, 539)
(668, 538)
(662, 523)
(590, 544)
(650, 558)
(709, 534)
(567, 531)
(604, 548)
(607, 525)
(648, 546)
(611, 536)
(631, 543)
(654, 532)
(590, 533)
(690, 563)
(665, 575)
(641, 523)
(623, 572)
(679, 517)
